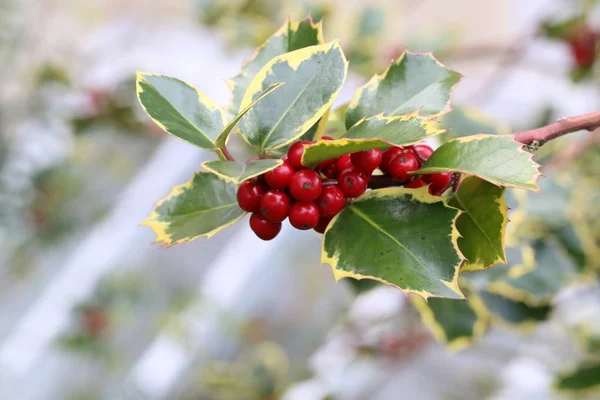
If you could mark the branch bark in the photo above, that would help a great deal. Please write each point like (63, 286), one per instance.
(588, 122)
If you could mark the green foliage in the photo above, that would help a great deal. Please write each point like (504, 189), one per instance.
(237, 173)
(583, 378)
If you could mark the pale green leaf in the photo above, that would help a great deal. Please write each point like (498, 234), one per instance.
(237, 173)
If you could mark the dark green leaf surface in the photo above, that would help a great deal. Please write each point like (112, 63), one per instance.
(514, 312)
(374, 132)
(553, 270)
(585, 377)
(222, 138)
(237, 173)
(456, 323)
(313, 77)
(291, 36)
(407, 239)
(336, 123)
(200, 207)
(413, 82)
(181, 109)
(482, 224)
(498, 159)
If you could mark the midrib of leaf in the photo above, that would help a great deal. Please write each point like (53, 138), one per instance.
(203, 211)
(182, 116)
(262, 145)
(379, 228)
(477, 224)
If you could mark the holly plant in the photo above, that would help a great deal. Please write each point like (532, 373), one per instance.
(389, 207)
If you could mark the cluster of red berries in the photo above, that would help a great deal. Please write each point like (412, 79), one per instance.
(310, 198)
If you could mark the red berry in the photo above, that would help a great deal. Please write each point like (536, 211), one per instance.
(331, 201)
(583, 47)
(280, 177)
(438, 182)
(304, 216)
(400, 166)
(423, 152)
(389, 155)
(264, 229)
(324, 164)
(295, 154)
(416, 184)
(343, 163)
(366, 161)
(274, 206)
(327, 138)
(248, 196)
(305, 186)
(352, 183)
(330, 172)
(323, 223)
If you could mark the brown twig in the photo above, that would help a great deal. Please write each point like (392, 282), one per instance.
(561, 127)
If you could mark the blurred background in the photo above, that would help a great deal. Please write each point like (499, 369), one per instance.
(90, 309)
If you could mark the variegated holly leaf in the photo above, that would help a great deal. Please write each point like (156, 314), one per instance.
(584, 378)
(498, 159)
(413, 82)
(455, 323)
(482, 223)
(313, 77)
(222, 138)
(200, 207)
(401, 237)
(237, 173)
(514, 313)
(554, 270)
(181, 109)
(336, 123)
(371, 133)
(291, 36)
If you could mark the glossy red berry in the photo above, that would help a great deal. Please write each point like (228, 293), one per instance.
(304, 216)
(388, 156)
(352, 183)
(280, 177)
(583, 48)
(416, 184)
(264, 229)
(323, 223)
(324, 164)
(305, 186)
(327, 138)
(275, 205)
(295, 154)
(366, 161)
(422, 151)
(330, 172)
(343, 163)
(331, 201)
(400, 166)
(249, 195)
(438, 182)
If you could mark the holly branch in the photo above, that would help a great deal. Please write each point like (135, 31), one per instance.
(588, 122)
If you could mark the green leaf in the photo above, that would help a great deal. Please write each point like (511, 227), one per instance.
(336, 123)
(181, 109)
(198, 208)
(370, 133)
(413, 82)
(583, 378)
(513, 312)
(291, 36)
(313, 77)
(456, 323)
(222, 138)
(401, 237)
(237, 173)
(482, 223)
(554, 270)
(498, 159)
